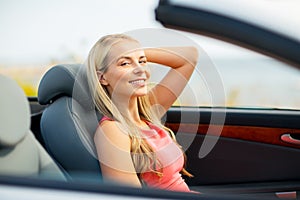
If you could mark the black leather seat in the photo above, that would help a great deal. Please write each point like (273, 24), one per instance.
(69, 121)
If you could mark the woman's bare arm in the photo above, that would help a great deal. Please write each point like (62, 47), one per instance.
(182, 61)
(113, 148)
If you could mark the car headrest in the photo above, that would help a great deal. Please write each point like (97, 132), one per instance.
(65, 80)
(14, 113)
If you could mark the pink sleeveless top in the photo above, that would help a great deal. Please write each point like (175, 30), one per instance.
(170, 157)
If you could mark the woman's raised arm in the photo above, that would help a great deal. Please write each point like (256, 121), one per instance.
(182, 61)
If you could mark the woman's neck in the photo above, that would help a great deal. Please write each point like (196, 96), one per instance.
(129, 108)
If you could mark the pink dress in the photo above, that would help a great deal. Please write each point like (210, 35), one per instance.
(170, 157)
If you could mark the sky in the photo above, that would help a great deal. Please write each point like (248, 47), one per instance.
(34, 30)
(37, 31)
(42, 30)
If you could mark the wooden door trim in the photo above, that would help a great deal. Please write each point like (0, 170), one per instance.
(249, 133)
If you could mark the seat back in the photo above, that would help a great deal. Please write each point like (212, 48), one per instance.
(69, 121)
(20, 153)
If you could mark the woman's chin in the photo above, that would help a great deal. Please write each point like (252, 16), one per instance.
(140, 93)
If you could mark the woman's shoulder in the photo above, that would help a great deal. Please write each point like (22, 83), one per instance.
(108, 123)
(111, 132)
(111, 128)
(105, 118)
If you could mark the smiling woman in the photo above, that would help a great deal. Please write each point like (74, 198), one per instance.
(132, 144)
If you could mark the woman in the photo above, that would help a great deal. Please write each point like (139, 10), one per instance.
(133, 146)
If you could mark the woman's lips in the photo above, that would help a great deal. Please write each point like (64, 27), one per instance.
(138, 82)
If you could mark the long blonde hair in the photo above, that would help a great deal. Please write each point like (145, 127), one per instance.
(143, 156)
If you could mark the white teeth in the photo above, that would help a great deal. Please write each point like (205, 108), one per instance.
(137, 82)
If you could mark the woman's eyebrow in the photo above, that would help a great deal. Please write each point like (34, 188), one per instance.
(129, 58)
(124, 57)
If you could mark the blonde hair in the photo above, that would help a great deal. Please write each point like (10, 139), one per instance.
(143, 156)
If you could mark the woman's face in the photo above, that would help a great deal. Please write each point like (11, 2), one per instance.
(127, 73)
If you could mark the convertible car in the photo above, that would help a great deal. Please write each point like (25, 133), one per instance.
(234, 152)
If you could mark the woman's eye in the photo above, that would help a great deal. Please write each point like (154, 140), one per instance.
(125, 63)
(143, 61)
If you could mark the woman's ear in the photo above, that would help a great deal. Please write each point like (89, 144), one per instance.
(101, 78)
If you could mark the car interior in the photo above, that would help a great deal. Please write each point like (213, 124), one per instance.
(64, 119)
(238, 164)
(68, 120)
(54, 156)
(21, 153)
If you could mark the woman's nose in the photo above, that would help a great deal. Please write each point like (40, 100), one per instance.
(139, 68)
